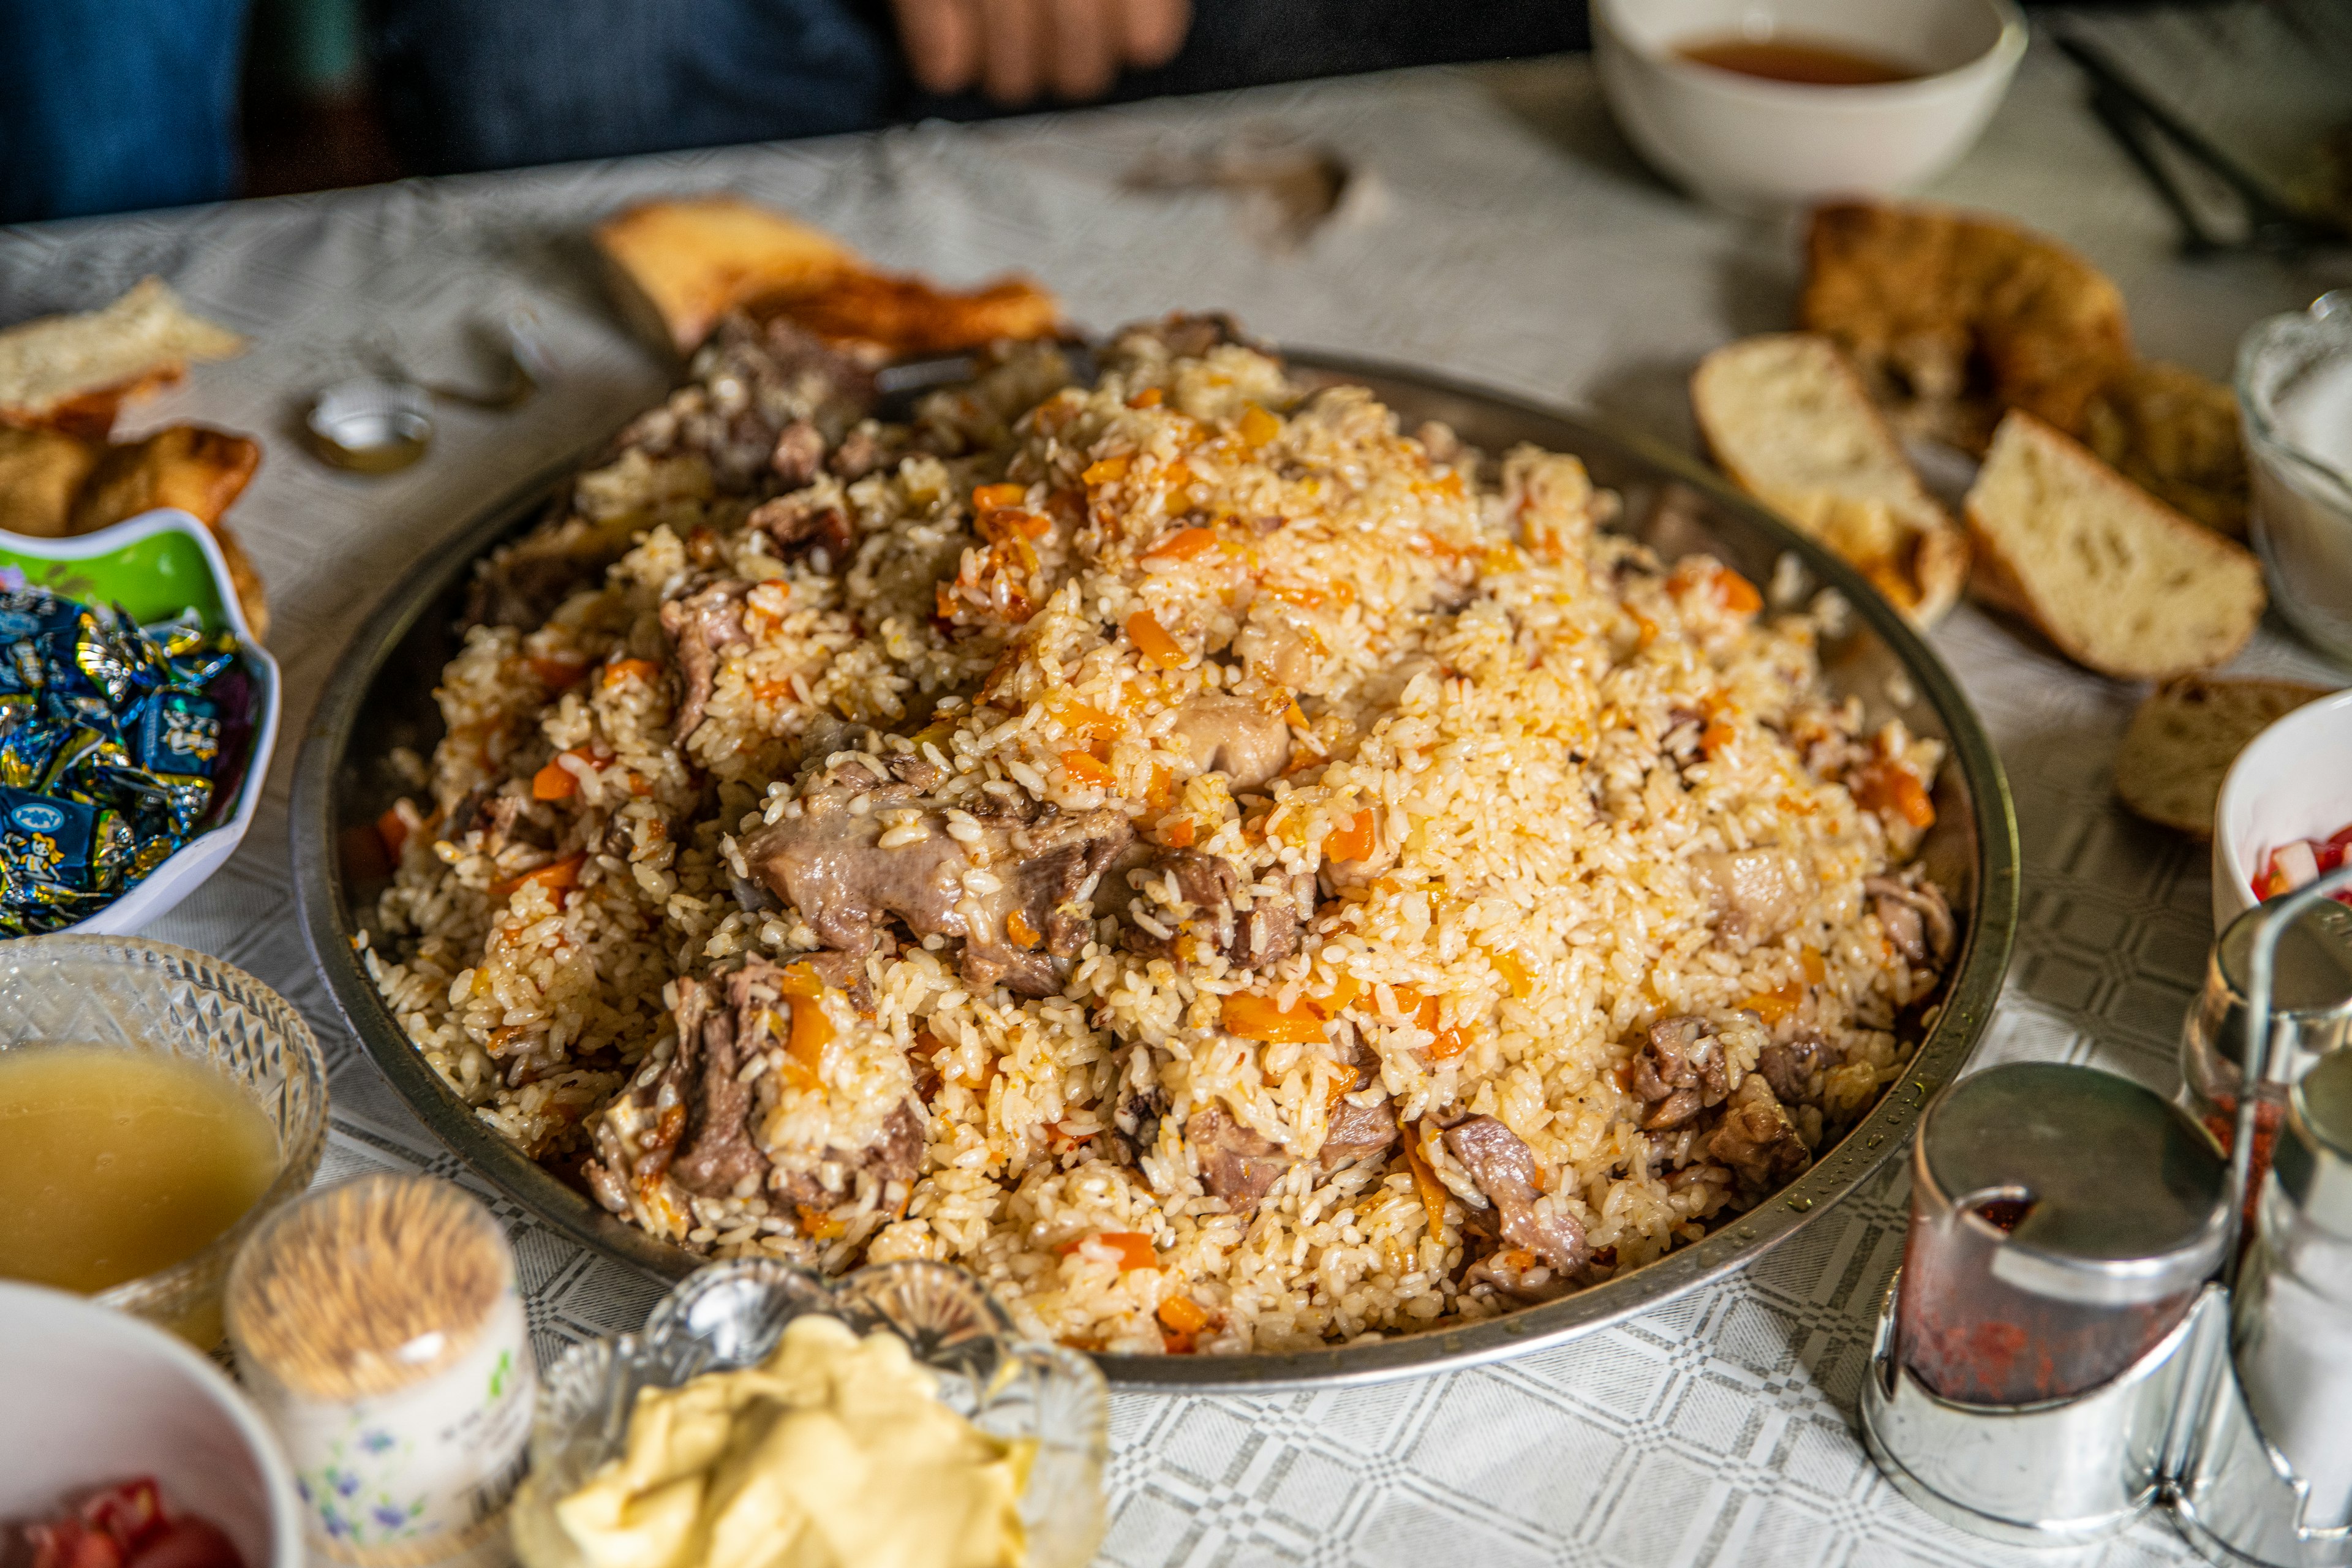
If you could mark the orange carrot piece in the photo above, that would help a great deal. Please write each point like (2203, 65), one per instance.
(1150, 397)
(1024, 934)
(555, 877)
(1883, 787)
(1182, 545)
(644, 669)
(1449, 1044)
(1085, 769)
(1255, 1017)
(554, 782)
(1183, 1315)
(1424, 1180)
(997, 498)
(1258, 427)
(1108, 470)
(1152, 641)
(1353, 842)
(1134, 1247)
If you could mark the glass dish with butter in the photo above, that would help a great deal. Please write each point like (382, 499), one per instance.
(888, 1419)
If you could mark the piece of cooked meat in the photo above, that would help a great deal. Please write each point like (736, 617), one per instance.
(1357, 1131)
(798, 454)
(1757, 1139)
(1505, 1170)
(1236, 1164)
(1681, 1071)
(1917, 920)
(1795, 1067)
(1236, 736)
(717, 1023)
(1251, 928)
(803, 522)
(896, 1156)
(701, 625)
(826, 859)
(1757, 893)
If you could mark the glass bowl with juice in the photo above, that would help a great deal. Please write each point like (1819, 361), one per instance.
(154, 1105)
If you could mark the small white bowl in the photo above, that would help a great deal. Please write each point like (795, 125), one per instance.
(94, 1396)
(1753, 144)
(154, 578)
(2290, 783)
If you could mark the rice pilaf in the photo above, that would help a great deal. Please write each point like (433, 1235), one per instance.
(1231, 875)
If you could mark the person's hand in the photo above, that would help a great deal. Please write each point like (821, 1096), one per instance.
(1017, 48)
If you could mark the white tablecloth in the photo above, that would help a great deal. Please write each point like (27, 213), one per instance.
(1510, 238)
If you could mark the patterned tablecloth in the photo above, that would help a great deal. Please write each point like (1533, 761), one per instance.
(1501, 232)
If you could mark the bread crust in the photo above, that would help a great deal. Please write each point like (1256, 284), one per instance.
(2000, 580)
(1925, 568)
(1953, 317)
(2183, 739)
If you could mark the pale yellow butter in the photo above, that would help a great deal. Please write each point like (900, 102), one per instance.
(835, 1453)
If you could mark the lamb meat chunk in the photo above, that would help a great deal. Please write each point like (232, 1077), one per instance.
(1357, 1133)
(844, 972)
(1236, 1164)
(895, 1156)
(1234, 736)
(1757, 893)
(522, 584)
(1917, 920)
(1794, 1067)
(1189, 336)
(1505, 1171)
(1680, 1071)
(1757, 1139)
(860, 453)
(803, 522)
(716, 1154)
(798, 453)
(1252, 929)
(827, 862)
(701, 627)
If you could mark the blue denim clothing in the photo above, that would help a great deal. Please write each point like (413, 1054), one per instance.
(496, 84)
(112, 105)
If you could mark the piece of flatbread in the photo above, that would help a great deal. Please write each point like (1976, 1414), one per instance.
(2120, 581)
(142, 339)
(2183, 739)
(1790, 421)
(678, 266)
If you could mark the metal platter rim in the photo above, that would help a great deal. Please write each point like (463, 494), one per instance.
(1884, 1131)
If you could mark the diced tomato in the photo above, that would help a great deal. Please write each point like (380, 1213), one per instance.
(133, 1512)
(188, 1542)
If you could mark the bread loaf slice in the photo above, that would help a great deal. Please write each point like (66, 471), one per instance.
(2184, 738)
(2117, 580)
(678, 266)
(1790, 421)
(99, 358)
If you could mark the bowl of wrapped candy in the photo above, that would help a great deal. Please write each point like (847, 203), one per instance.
(137, 715)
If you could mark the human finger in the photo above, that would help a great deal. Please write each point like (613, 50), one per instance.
(1083, 48)
(1152, 31)
(941, 38)
(1012, 40)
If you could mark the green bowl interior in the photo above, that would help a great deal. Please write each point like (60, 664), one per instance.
(153, 577)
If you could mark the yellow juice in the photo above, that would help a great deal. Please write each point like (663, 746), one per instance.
(116, 1164)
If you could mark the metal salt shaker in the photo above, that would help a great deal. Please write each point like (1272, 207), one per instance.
(2310, 1010)
(2271, 1479)
(2032, 1354)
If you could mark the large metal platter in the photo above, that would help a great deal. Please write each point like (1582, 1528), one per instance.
(380, 697)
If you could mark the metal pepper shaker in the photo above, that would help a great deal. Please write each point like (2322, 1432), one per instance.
(2030, 1354)
(2270, 1482)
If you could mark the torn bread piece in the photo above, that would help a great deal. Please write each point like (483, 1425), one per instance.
(2120, 581)
(2175, 434)
(1791, 423)
(2184, 738)
(1952, 318)
(200, 471)
(77, 370)
(678, 268)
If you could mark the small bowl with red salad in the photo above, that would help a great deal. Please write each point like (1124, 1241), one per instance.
(2284, 818)
(123, 1448)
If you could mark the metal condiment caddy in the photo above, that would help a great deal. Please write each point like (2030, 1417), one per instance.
(2077, 1334)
